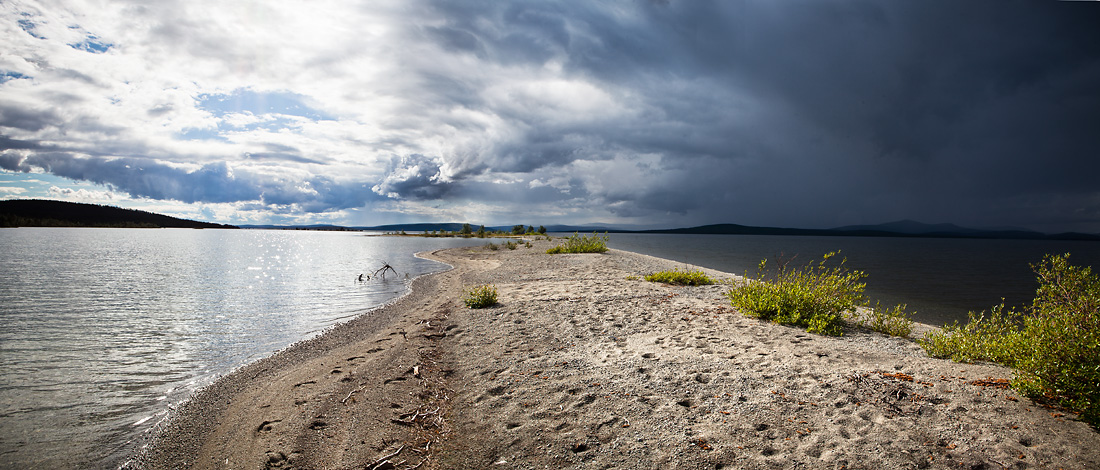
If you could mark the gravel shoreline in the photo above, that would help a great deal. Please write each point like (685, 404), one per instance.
(582, 365)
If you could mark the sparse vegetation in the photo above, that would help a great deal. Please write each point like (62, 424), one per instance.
(681, 277)
(492, 246)
(510, 245)
(582, 244)
(981, 338)
(480, 297)
(814, 296)
(467, 231)
(892, 321)
(1054, 344)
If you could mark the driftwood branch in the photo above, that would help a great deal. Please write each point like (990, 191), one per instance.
(345, 400)
(379, 272)
(382, 271)
(379, 462)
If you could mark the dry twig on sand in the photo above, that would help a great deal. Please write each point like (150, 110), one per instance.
(385, 459)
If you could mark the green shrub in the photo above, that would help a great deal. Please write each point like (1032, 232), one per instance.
(582, 244)
(1054, 344)
(814, 296)
(492, 246)
(892, 321)
(683, 278)
(980, 339)
(480, 297)
(510, 245)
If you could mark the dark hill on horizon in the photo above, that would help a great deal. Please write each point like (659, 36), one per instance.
(901, 228)
(47, 213)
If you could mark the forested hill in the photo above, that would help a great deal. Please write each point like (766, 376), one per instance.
(43, 213)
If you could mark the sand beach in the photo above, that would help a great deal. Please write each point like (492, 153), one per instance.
(584, 365)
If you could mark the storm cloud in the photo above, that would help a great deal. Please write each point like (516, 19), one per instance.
(799, 113)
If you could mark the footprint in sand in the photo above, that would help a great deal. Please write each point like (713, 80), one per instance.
(587, 400)
(267, 426)
(275, 459)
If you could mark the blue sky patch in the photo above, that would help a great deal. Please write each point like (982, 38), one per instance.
(29, 27)
(201, 134)
(6, 76)
(92, 44)
(243, 100)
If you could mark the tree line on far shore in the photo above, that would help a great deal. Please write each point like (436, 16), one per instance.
(467, 231)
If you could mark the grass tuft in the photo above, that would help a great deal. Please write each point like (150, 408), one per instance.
(815, 296)
(582, 244)
(480, 297)
(892, 321)
(682, 278)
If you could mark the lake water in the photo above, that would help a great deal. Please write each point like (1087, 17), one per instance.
(941, 279)
(102, 330)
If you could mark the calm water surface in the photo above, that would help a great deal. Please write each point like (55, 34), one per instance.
(940, 278)
(102, 330)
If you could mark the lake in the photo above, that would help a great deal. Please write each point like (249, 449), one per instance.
(941, 279)
(102, 330)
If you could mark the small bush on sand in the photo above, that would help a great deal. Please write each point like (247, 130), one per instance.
(492, 246)
(582, 244)
(683, 278)
(814, 296)
(892, 321)
(982, 338)
(480, 297)
(510, 245)
(1054, 344)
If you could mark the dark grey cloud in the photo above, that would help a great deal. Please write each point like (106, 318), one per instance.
(215, 182)
(19, 117)
(823, 104)
(7, 143)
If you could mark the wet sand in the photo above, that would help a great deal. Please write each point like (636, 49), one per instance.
(583, 365)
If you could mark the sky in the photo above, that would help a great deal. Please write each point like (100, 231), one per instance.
(792, 113)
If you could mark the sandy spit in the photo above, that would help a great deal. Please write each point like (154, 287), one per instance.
(582, 365)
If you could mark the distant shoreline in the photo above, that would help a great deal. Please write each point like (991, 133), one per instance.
(46, 213)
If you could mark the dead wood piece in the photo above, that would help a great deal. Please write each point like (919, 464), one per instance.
(377, 465)
(382, 271)
(361, 387)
